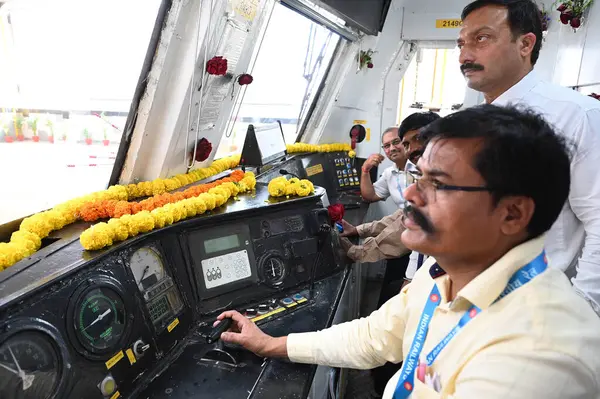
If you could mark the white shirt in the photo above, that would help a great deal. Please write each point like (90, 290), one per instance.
(573, 242)
(414, 263)
(391, 184)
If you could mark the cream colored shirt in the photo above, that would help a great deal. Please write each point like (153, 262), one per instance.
(540, 341)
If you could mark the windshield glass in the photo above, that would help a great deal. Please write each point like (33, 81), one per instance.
(68, 73)
(289, 66)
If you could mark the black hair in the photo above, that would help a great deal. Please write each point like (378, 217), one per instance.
(520, 155)
(524, 16)
(416, 121)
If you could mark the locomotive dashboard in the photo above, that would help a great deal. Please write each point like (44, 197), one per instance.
(107, 324)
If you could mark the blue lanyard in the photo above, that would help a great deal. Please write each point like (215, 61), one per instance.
(407, 375)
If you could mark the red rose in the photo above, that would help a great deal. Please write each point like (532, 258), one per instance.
(370, 65)
(245, 79)
(575, 22)
(561, 7)
(216, 66)
(203, 150)
(336, 212)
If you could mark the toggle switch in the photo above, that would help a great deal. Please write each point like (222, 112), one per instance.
(139, 348)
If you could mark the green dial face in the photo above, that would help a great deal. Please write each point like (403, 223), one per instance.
(100, 319)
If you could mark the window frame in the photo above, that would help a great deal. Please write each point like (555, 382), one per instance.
(140, 89)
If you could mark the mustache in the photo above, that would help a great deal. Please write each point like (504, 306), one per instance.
(420, 219)
(415, 154)
(472, 66)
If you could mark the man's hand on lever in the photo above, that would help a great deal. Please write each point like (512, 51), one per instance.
(245, 333)
(349, 230)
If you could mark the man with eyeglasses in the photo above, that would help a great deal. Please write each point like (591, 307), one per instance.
(486, 316)
(391, 183)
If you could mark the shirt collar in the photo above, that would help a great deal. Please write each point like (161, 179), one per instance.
(396, 169)
(519, 90)
(484, 289)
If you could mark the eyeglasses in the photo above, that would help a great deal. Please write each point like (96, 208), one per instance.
(394, 143)
(414, 176)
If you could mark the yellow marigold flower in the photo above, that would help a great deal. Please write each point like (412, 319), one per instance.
(118, 192)
(158, 186)
(37, 225)
(132, 191)
(159, 218)
(144, 221)
(179, 212)
(199, 204)
(243, 186)
(180, 180)
(171, 184)
(146, 188)
(190, 209)
(277, 187)
(131, 225)
(304, 188)
(233, 187)
(119, 229)
(27, 239)
(96, 237)
(209, 201)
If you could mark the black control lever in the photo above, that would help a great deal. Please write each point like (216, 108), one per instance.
(215, 333)
(285, 172)
(323, 233)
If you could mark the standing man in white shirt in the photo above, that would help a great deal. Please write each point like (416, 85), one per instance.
(499, 43)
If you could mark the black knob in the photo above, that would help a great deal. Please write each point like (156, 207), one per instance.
(220, 328)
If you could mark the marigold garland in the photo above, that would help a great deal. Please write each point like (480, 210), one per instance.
(27, 240)
(114, 209)
(303, 147)
(280, 187)
(118, 229)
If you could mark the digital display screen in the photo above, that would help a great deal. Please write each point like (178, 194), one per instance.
(159, 309)
(221, 244)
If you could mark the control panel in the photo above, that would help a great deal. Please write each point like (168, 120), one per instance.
(258, 257)
(106, 323)
(338, 173)
(347, 175)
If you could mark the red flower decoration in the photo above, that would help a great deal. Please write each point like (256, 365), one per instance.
(203, 150)
(336, 212)
(596, 96)
(245, 79)
(217, 66)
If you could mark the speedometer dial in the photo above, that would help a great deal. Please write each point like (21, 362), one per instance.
(273, 269)
(147, 267)
(100, 318)
(29, 366)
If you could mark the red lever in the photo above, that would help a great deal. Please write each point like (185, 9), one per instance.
(354, 135)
